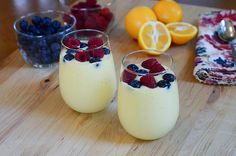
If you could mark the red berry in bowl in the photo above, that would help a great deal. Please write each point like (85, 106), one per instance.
(95, 42)
(72, 43)
(105, 11)
(91, 3)
(149, 63)
(148, 81)
(81, 56)
(128, 76)
(96, 53)
(157, 68)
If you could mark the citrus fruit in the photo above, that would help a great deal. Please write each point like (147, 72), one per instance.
(154, 35)
(181, 32)
(168, 11)
(136, 17)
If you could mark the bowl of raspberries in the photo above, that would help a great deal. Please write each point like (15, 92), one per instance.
(39, 36)
(91, 14)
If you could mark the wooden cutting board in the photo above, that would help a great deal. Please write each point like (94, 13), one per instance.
(34, 120)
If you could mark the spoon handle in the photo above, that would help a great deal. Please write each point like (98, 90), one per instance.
(233, 47)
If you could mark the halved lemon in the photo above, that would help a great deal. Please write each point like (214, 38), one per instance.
(154, 35)
(181, 32)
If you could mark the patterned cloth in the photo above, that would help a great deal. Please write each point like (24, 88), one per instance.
(214, 63)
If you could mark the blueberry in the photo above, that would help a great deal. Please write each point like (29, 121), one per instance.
(92, 60)
(24, 40)
(33, 29)
(135, 84)
(56, 24)
(51, 30)
(106, 51)
(133, 67)
(142, 71)
(55, 47)
(42, 43)
(83, 45)
(23, 25)
(71, 51)
(36, 20)
(163, 84)
(169, 77)
(68, 57)
(45, 55)
(47, 21)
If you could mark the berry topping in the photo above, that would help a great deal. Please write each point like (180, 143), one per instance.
(68, 57)
(71, 51)
(83, 45)
(142, 71)
(72, 43)
(95, 42)
(105, 11)
(135, 84)
(81, 56)
(128, 76)
(36, 20)
(148, 81)
(93, 60)
(157, 68)
(106, 51)
(169, 77)
(96, 53)
(149, 63)
(23, 25)
(132, 67)
(163, 84)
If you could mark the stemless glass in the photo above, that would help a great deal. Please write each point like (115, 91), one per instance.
(43, 51)
(99, 15)
(148, 99)
(87, 86)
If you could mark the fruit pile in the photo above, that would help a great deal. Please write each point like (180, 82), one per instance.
(136, 76)
(93, 51)
(90, 15)
(156, 28)
(40, 40)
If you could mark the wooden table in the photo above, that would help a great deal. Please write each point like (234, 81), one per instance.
(34, 120)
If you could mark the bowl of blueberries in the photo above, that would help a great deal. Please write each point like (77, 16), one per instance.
(39, 36)
(91, 14)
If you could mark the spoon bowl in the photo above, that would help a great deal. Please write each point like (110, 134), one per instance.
(226, 30)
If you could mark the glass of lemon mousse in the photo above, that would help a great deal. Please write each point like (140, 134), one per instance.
(148, 98)
(87, 76)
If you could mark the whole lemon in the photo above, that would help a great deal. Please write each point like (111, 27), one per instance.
(168, 11)
(136, 17)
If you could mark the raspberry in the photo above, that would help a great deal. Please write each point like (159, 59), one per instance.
(80, 24)
(109, 17)
(91, 3)
(105, 11)
(148, 81)
(157, 68)
(149, 63)
(81, 56)
(72, 43)
(101, 22)
(95, 42)
(97, 53)
(90, 24)
(128, 76)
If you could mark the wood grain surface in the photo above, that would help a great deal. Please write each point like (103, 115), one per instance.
(34, 120)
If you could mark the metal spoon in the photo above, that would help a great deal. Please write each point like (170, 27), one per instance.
(226, 32)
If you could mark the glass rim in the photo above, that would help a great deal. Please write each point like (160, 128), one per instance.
(43, 12)
(85, 30)
(151, 55)
(88, 9)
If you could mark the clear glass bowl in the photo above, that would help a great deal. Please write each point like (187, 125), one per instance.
(43, 51)
(100, 16)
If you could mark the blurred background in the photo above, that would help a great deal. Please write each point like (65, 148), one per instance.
(13, 9)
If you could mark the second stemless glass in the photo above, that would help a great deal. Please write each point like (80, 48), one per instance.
(87, 86)
(148, 99)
